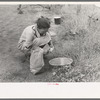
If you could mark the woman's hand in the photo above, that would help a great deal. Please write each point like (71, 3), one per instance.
(46, 51)
(26, 49)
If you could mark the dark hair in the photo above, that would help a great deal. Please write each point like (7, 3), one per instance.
(43, 23)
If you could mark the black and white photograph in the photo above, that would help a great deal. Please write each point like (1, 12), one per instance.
(43, 42)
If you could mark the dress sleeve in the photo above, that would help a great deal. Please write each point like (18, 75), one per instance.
(29, 38)
(42, 40)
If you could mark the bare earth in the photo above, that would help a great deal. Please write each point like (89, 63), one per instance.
(13, 67)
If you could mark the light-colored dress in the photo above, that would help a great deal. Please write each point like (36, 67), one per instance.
(31, 41)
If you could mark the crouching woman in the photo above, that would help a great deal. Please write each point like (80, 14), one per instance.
(36, 40)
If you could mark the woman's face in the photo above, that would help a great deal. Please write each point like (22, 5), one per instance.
(43, 31)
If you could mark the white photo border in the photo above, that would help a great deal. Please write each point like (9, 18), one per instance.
(49, 90)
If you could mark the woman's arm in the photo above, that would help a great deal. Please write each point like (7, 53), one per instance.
(29, 34)
(41, 40)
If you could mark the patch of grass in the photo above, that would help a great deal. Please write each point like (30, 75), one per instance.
(81, 42)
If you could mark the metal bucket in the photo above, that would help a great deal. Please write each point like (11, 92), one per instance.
(57, 20)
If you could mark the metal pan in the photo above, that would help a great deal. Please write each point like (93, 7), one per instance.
(60, 61)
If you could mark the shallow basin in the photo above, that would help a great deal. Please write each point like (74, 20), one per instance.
(60, 61)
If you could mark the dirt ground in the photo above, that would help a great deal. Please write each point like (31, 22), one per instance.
(13, 67)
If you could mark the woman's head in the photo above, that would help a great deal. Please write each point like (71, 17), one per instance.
(43, 24)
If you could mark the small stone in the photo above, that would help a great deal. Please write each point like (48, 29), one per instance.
(54, 73)
(63, 79)
(66, 66)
